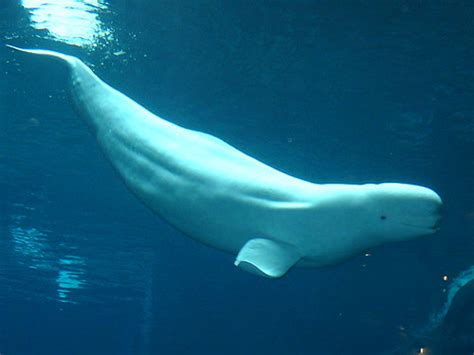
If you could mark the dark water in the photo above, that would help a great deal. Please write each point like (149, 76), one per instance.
(347, 92)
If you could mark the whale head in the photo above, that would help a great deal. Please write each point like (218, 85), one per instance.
(400, 212)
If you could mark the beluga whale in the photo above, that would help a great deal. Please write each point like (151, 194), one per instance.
(218, 195)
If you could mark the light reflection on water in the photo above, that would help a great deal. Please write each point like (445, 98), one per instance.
(75, 22)
(70, 277)
(31, 245)
(32, 249)
(38, 260)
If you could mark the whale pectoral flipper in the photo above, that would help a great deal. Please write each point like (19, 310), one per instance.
(265, 257)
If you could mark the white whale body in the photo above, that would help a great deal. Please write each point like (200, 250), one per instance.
(224, 198)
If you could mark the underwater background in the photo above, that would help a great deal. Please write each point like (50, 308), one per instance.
(331, 92)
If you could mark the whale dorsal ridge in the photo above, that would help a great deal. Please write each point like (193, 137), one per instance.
(267, 257)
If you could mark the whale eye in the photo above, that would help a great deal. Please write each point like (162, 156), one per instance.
(383, 217)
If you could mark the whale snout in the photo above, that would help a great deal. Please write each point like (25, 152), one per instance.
(424, 208)
(411, 211)
(437, 216)
(428, 204)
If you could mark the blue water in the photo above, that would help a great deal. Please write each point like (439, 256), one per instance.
(351, 92)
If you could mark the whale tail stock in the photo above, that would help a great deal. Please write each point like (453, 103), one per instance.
(72, 63)
(62, 57)
(75, 65)
(82, 79)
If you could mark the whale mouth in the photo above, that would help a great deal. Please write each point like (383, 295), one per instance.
(433, 228)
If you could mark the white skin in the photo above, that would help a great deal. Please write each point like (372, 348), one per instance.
(224, 198)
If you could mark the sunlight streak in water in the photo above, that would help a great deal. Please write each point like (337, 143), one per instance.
(69, 277)
(31, 244)
(74, 22)
(34, 251)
